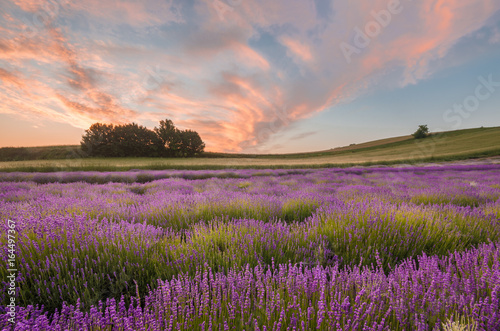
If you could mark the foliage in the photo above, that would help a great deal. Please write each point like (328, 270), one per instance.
(448, 146)
(169, 137)
(97, 140)
(191, 143)
(422, 132)
(133, 140)
(41, 153)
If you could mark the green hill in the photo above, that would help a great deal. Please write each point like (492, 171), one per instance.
(40, 153)
(446, 146)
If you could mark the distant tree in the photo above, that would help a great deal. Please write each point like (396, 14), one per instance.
(169, 137)
(106, 140)
(175, 147)
(97, 140)
(179, 142)
(192, 144)
(422, 132)
(136, 140)
(166, 131)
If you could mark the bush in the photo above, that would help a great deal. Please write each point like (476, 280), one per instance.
(133, 140)
(422, 132)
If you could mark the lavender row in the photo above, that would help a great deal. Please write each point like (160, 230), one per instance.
(143, 176)
(85, 243)
(178, 203)
(416, 295)
(66, 259)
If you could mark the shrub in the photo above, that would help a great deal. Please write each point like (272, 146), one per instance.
(422, 132)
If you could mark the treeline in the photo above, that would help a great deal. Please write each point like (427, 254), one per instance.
(40, 153)
(108, 140)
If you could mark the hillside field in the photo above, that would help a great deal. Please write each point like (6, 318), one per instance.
(452, 145)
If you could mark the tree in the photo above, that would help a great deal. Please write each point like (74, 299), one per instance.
(97, 140)
(166, 131)
(169, 137)
(179, 142)
(106, 140)
(136, 140)
(422, 132)
(192, 144)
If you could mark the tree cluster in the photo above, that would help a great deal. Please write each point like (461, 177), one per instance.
(107, 140)
(422, 132)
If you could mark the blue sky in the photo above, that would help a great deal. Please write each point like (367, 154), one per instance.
(399, 111)
(249, 76)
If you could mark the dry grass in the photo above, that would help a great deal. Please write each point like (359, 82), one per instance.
(447, 146)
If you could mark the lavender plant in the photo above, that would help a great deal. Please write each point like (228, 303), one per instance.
(367, 248)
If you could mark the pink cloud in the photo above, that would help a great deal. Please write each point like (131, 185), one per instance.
(9, 78)
(149, 12)
(236, 94)
(107, 111)
(297, 48)
(31, 5)
(51, 47)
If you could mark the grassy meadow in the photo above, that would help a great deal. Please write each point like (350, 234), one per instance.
(453, 145)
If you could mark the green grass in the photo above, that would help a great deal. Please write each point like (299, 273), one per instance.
(388, 237)
(447, 146)
(41, 153)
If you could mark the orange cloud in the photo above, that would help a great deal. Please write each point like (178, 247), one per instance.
(9, 78)
(93, 105)
(149, 12)
(30, 5)
(233, 86)
(250, 56)
(297, 48)
(107, 111)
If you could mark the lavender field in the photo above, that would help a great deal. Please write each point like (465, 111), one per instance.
(415, 248)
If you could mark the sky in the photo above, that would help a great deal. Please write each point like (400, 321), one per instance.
(275, 76)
